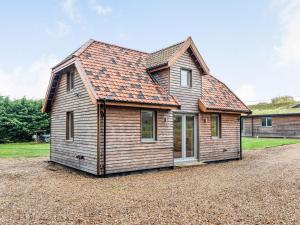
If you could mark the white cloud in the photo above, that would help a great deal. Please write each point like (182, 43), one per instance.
(288, 48)
(70, 8)
(59, 29)
(246, 92)
(31, 81)
(99, 9)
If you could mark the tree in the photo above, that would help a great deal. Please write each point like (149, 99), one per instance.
(20, 119)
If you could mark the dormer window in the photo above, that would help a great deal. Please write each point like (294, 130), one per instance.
(185, 78)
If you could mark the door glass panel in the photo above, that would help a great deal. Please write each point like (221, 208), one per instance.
(190, 136)
(177, 136)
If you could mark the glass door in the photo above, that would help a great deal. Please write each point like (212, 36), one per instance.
(177, 129)
(185, 127)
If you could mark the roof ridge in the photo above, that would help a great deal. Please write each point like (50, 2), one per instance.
(119, 46)
(178, 43)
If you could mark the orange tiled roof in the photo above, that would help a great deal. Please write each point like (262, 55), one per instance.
(217, 96)
(162, 56)
(120, 74)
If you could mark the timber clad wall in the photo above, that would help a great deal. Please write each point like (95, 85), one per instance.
(85, 127)
(126, 152)
(228, 146)
(282, 126)
(163, 78)
(187, 97)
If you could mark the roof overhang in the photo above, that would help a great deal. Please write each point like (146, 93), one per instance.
(139, 105)
(54, 81)
(272, 115)
(188, 44)
(203, 108)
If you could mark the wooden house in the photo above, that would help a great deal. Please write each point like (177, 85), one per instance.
(115, 110)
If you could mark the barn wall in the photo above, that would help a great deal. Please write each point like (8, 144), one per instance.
(226, 147)
(124, 149)
(282, 126)
(85, 127)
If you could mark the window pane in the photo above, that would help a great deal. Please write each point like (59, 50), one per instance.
(214, 125)
(147, 125)
(177, 126)
(71, 80)
(263, 122)
(184, 78)
(269, 121)
(190, 136)
(68, 81)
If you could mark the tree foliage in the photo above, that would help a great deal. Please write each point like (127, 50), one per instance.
(21, 118)
(283, 100)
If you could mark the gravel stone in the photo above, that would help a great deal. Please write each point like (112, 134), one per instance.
(263, 188)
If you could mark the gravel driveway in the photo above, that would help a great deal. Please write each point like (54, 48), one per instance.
(264, 188)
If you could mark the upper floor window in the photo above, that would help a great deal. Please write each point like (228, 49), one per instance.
(70, 126)
(148, 125)
(266, 121)
(215, 125)
(70, 81)
(185, 78)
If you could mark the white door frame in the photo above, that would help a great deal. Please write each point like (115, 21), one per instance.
(183, 137)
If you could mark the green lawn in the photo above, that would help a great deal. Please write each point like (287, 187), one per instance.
(24, 150)
(260, 143)
(36, 150)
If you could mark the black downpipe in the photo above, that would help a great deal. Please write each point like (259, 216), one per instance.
(104, 138)
(241, 152)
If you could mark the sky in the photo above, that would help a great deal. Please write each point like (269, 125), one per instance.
(252, 46)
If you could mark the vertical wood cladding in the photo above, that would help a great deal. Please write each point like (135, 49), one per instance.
(85, 127)
(187, 96)
(282, 126)
(226, 147)
(124, 149)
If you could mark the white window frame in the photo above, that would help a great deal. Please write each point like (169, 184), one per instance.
(154, 126)
(266, 121)
(189, 78)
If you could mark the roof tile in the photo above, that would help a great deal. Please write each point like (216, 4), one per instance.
(118, 68)
(213, 100)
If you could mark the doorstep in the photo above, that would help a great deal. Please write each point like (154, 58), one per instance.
(188, 163)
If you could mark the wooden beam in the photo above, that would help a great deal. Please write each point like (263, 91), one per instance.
(140, 105)
(90, 89)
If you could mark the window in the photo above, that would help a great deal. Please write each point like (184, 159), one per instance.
(266, 121)
(215, 126)
(70, 126)
(70, 81)
(148, 125)
(185, 78)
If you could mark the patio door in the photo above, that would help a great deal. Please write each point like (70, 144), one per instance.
(185, 136)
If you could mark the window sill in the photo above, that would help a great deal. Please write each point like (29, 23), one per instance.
(216, 138)
(70, 140)
(148, 141)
